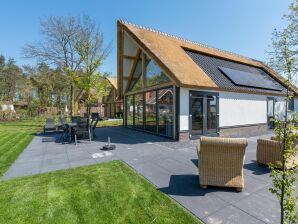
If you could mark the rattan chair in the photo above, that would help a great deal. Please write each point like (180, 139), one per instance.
(269, 152)
(221, 162)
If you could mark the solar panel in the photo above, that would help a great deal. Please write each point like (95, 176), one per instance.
(257, 80)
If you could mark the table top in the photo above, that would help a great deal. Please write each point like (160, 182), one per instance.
(72, 124)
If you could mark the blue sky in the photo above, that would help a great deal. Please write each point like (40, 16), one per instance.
(243, 27)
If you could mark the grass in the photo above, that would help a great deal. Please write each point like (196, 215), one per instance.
(110, 123)
(14, 137)
(103, 193)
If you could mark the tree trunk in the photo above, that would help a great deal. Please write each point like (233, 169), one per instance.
(282, 210)
(71, 106)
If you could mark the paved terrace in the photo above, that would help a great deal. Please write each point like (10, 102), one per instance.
(170, 166)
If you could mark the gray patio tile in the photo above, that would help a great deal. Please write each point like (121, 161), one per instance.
(231, 196)
(55, 159)
(24, 159)
(53, 167)
(201, 206)
(258, 172)
(175, 166)
(231, 215)
(79, 155)
(156, 175)
(55, 151)
(29, 154)
(23, 169)
(260, 207)
(84, 162)
(28, 162)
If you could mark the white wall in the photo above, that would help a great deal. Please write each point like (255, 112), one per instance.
(241, 109)
(234, 108)
(184, 109)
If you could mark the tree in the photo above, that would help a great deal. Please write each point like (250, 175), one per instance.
(61, 36)
(91, 51)
(74, 44)
(283, 58)
(49, 84)
(10, 75)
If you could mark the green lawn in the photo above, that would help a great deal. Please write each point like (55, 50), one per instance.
(110, 123)
(14, 137)
(103, 193)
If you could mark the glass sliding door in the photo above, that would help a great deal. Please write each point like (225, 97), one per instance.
(211, 114)
(165, 112)
(150, 110)
(129, 110)
(139, 111)
(197, 115)
(203, 110)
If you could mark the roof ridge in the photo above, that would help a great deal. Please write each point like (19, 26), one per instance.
(185, 40)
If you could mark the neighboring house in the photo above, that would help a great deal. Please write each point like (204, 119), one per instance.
(189, 89)
(113, 108)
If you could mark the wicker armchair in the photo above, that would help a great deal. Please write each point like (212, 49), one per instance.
(268, 151)
(221, 162)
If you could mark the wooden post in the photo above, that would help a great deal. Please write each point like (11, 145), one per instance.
(144, 74)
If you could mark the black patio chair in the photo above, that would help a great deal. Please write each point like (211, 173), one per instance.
(75, 119)
(61, 122)
(63, 125)
(93, 125)
(49, 126)
(82, 129)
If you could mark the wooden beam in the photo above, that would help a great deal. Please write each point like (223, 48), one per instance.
(144, 75)
(129, 57)
(133, 68)
(120, 59)
(152, 55)
(159, 86)
(127, 78)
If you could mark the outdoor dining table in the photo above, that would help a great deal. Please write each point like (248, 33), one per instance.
(70, 126)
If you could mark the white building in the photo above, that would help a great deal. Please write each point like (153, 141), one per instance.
(209, 91)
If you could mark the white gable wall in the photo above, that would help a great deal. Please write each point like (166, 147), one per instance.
(234, 108)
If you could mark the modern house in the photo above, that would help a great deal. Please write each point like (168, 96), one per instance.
(181, 89)
(113, 107)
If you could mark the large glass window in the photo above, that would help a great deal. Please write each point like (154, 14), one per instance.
(136, 82)
(154, 74)
(129, 110)
(150, 111)
(165, 112)
(139, 111)
(154, 115)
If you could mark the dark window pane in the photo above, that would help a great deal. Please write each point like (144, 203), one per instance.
(197, 114)
(150, 111)
(291, 104)
(154, 74)
(165, 112)
(129, 111)
(139, 111)
(211, 114)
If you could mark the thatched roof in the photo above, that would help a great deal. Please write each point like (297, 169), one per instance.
(170, 54)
